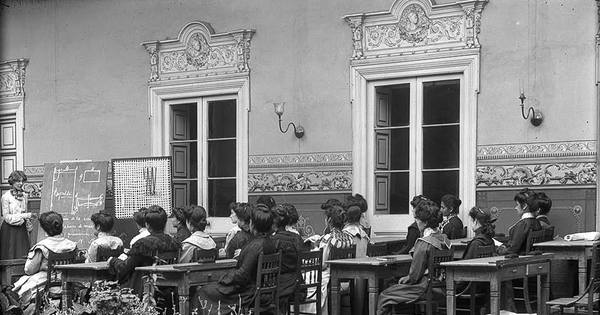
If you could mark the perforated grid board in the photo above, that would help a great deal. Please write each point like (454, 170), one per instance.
(141, 182)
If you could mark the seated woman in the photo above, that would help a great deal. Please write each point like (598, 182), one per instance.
(484, 231)
(413, 232)
(361, 238)
(518, 232)
(544, 204)
(335, 216)
(411, 287)
(234, 219)
(290, 245)
(243, 211)
(103, 224)
(325, 207)
(143, 251)
(195, 217)
(359, 201)
(37, 259)
(239, 285)
(179, 224)
(140, 222)
(452, 225)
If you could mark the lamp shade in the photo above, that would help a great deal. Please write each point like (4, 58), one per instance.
(279, 108)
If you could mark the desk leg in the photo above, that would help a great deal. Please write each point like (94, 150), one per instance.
(450, 298)
(495, 295)
(545, 294)
(65, 294)
(184, 299)
(335, 293)
(373, 291)
(582, 269)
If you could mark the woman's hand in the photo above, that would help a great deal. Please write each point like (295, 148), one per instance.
(403, 280)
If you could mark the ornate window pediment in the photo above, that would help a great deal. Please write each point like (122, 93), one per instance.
(12, 78)
(416, 26)
(199, 52)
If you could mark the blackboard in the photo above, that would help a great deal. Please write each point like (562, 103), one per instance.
(76, 190)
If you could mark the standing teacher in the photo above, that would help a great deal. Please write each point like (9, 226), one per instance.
(14, 230)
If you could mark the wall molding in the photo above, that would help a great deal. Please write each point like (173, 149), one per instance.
(310, 181)
(585, 148)
(578, 174)
(314, 159)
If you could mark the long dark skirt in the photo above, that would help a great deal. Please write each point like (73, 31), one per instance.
(15, 241)
(398, 294)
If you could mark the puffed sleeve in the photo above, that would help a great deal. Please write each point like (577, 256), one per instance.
(518, 238)
(33, 263)
(471, 249)
(419, 262)
(187, 252)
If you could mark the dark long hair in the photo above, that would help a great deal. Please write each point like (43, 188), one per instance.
(485, 220)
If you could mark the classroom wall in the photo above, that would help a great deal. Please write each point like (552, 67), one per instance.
(86, 87)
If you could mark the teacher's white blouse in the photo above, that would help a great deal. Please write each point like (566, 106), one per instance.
(14, 210)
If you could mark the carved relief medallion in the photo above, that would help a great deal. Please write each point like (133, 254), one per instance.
(197, 51)
(413, 24)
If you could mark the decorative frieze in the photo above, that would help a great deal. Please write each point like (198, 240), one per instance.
(199, 52)
(300, 181)
(416, 26)
(319, 159)
(545, 174)
(536, 150)
(12, 78)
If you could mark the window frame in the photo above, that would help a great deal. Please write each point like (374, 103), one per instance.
(364, 77)
(162, 96)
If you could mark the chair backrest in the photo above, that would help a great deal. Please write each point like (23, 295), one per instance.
(104, 253)
(374, 250)
(57, 259)
(267, 282)
(549, 235)
(220, 241)
(166, 257)
(342, 253)
(464, 232)
(437, 273)
(310, 268)
(537, 237)
(205, 255)
(485, 251)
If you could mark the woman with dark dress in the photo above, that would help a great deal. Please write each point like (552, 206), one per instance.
(239, 285)
(413, 232)
(143, 251)
(411, 287)
(195, 217)
(518, 232)
(452, 225)
(290, 245)
(17, 220)
(243, 212)
(179, 224)
(484, 231)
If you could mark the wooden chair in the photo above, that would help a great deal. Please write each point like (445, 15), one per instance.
(436, 279)
(342, 253)
(529, 299)
(205, 255)
(587, 301)
(166, 258)
(374, 250)
(104, 253)
(267, 283)
(310, 276)
(53, 276)
(220, 241)
(470, 291)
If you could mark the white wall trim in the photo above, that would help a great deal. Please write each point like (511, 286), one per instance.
(12, 99)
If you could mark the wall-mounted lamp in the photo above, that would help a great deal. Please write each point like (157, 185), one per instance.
(536, 116)
(299, 131)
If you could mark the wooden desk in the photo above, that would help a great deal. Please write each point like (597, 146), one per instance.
(495, 270)
(10, 268)
(393, 243)
(460, 246)
(573, 250)
(85, 272)
(184, 276)
(370, 268)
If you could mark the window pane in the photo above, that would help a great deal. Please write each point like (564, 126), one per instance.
(438, 183)
(399, 193)
(399, 150)
(400, 105)
(441, 102)
(221, 117)
(440, 147)
(221, 192)
(184, 122)
(221, 158)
